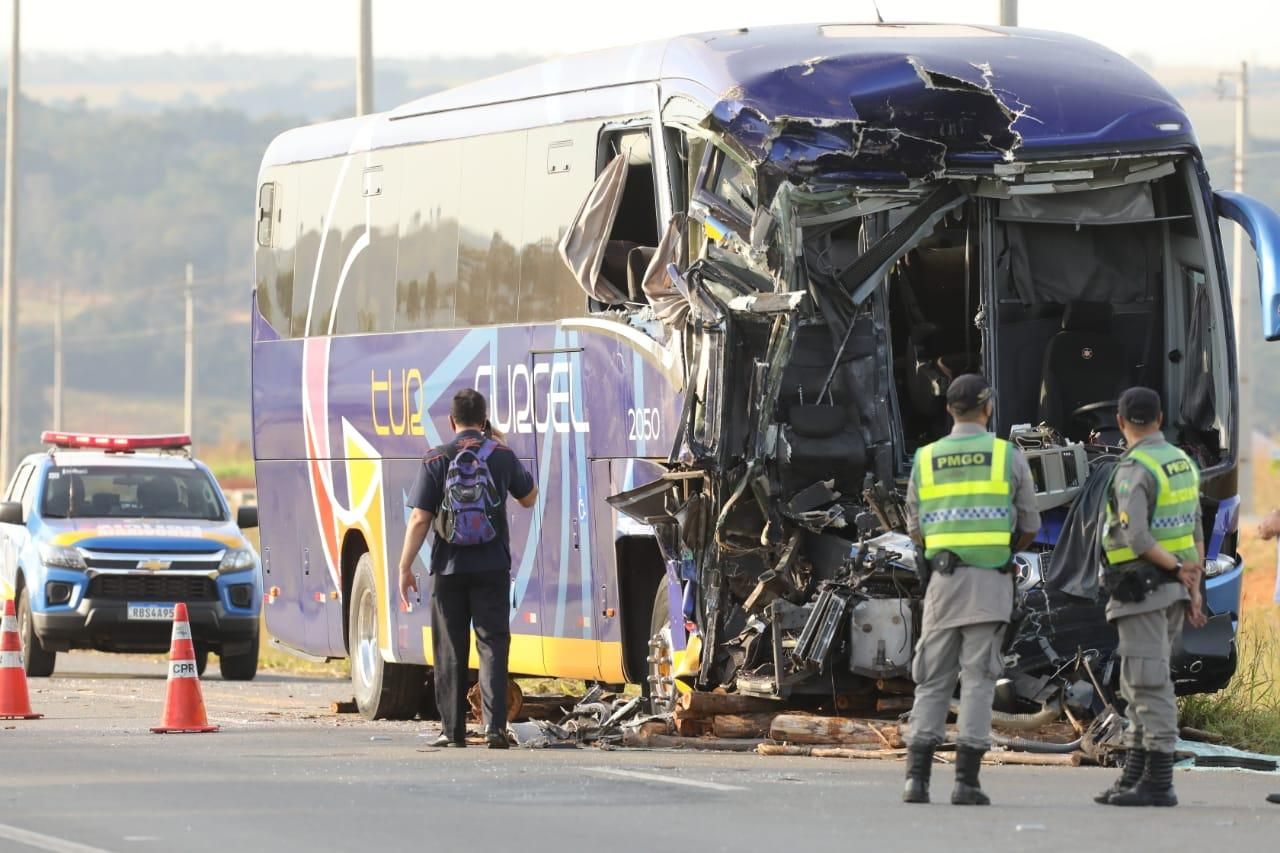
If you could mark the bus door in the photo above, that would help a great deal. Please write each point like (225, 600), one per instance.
(568, 600)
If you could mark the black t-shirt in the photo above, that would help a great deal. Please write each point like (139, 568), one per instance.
(510, 477)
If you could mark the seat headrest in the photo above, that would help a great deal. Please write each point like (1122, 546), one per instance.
(1082, 316)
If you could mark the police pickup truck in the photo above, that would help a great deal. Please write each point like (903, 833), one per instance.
(103, 534)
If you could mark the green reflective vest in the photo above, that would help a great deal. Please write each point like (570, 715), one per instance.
(966, 498)
(1173, 517)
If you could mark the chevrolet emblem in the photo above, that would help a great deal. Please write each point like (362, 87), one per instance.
(154, 565)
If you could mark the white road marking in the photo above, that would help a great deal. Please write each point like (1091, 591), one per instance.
(44, 842)
(669, 780)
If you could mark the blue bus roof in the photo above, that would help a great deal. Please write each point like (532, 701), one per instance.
(982, 92)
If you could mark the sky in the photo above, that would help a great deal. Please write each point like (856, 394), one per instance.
(1172, 32)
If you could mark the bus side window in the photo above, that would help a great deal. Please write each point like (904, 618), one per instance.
(491, 229)
(427, 264)
(273, 259)
(558, 175)
(636, 230)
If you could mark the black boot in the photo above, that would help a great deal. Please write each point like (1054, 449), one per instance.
(1135, 761)
(1155, 788)
(919, 766)
(967, 792)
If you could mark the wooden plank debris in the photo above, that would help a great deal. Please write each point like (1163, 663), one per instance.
(797, 728)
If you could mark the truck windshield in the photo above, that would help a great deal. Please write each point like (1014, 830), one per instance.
(128, 492)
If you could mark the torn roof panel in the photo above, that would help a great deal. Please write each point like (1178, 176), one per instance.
(996, 95)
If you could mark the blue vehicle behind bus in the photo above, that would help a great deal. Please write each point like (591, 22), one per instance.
(714, 288)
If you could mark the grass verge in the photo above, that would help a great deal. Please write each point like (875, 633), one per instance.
(1246, 713)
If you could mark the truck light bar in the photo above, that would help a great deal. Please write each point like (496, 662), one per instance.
(115, 442)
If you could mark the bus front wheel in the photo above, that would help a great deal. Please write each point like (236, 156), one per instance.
(384, 691)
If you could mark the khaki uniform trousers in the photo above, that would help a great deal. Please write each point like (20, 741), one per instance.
(970, 653)
(1145, 682)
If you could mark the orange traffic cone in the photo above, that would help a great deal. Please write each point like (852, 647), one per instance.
(15, 704)
(183, 705)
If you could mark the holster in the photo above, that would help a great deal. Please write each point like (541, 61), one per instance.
(1133, 583)
(944, 562)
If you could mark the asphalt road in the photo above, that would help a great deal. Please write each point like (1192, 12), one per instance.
(286, 775)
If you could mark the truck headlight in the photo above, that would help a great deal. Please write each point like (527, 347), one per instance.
(236, 560)
(61, 557)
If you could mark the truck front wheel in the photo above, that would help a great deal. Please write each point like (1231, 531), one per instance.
(36, 661)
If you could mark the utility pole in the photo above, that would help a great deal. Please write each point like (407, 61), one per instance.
(189, 385)
(1008, 13)
(57, 354)
(10, 295)
(1239, 301)
(364, 60)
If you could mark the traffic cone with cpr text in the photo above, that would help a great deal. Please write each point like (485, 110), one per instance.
(15, 704)
(183, 704)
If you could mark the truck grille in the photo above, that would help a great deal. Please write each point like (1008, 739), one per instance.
(131, 563)
(153, 587)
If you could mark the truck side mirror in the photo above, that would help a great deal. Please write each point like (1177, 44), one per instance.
(11, 513)
(247, 517)
(1262, 225)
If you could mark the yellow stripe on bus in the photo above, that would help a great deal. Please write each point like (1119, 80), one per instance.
(552, 657)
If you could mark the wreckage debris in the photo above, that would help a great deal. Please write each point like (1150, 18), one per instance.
(808, 729)
(721, 722)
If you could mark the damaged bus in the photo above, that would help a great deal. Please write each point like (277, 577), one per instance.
(714, 289)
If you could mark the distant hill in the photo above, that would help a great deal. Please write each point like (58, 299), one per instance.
(316, 88)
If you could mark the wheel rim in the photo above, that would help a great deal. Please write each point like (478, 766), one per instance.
(366, 634)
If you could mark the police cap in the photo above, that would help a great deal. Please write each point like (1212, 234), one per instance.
(1140, 406)
(968, 392)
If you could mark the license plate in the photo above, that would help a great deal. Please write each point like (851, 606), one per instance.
(151, 612)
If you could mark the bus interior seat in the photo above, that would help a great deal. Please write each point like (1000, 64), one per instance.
(615, 271)
(822, 439)
(1025, 331)
(638, 260)
(1083, 363)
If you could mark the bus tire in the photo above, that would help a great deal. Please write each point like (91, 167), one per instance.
(241, 667)
(659, 619)
(383, 691)
(35, 660)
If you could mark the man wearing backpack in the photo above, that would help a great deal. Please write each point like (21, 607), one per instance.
(462, 487)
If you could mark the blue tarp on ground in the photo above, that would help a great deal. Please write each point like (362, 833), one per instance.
(1215, 751)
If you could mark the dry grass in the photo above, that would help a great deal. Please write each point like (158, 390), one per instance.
(1247, 712)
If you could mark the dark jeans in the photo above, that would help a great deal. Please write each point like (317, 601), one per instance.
(459, 602)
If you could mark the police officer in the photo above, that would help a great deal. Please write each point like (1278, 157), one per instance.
(970, 504)
(1153, 553)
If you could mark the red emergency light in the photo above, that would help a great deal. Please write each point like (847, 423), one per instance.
(120, 443)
